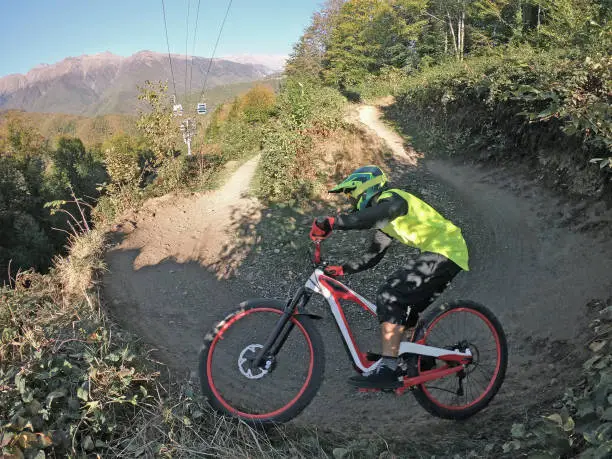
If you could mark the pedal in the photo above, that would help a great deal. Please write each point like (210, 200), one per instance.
(372, 357)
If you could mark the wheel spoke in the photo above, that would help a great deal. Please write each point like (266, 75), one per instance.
(263, 391)
(463, 328)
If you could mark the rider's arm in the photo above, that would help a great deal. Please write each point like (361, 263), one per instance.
(378, 247)
(377, 216)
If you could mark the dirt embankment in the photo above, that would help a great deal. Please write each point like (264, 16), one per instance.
(188, 261)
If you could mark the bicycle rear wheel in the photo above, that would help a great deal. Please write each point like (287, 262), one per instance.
(281, 387)
(462, 325)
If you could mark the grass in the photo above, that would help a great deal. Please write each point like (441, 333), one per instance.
(73, 384)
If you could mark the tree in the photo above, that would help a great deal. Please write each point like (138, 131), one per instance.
(308, 53)
(258, 103)
(350, 55)
(157, 125)
(29, 151)
(462, 26)
(395, 31)
(23, 241)
(74, 166)
(560, 22)
(368, 35)
(453, 13)
(23, 140)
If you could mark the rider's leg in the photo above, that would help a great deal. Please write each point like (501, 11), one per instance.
(391, 335)
(405, 294)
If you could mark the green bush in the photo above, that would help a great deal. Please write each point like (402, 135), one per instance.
(518, 100)
(277, 177)
(583, 426)
(172, 175)
(238, 139)
(68, 387)
(122, 160)
(304, 110)
(304, 105)
(387, 82)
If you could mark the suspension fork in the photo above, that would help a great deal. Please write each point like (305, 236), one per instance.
(281, 331)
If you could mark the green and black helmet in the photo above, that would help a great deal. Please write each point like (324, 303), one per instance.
(362, 185)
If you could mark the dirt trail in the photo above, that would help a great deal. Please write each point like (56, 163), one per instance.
(167, 267)
(167, 282)
(531, 270)
(370, 116)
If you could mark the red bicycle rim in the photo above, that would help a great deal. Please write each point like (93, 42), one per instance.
(218, 396)
(497, 367)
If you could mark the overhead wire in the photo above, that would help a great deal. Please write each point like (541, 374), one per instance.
(168, 45)
(215, 48)
(195, 33)
(186, 47)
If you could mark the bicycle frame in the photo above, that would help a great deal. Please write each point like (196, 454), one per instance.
(334, 291)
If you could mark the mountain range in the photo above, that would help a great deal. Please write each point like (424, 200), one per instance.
(105, 83)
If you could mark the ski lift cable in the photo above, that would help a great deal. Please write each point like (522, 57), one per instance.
(215, 49)
(168, 45)
(195, 32)
(186, 47)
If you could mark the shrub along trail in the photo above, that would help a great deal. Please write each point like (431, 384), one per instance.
(169, 282)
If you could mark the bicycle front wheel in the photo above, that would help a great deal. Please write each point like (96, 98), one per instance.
(464, 326)
(281, 386)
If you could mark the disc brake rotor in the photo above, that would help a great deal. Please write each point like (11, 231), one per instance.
(245, 362)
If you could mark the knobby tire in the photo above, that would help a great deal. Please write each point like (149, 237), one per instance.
(421, 392)
(303, 325)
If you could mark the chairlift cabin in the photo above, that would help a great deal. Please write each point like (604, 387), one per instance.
(201, 109)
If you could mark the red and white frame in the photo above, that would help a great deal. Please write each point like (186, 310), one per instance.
(334, 291)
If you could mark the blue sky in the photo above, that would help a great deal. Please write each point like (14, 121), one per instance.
(46, 31)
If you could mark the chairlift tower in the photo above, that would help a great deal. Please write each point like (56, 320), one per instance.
(177, 109)
(188, 128)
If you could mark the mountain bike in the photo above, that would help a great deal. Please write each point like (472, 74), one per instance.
(264, 363)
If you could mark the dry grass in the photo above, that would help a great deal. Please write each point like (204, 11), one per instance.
(76, 272)
(73, 384)
(180, 425)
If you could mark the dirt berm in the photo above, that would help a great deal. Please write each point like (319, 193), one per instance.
(185, 262)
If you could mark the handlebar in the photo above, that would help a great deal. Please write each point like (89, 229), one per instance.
(317, 252)
(320, 220)
(317, 239)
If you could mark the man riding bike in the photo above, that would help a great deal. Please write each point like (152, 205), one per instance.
(396, 214)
